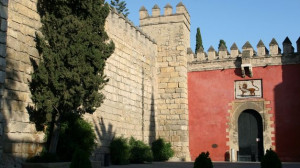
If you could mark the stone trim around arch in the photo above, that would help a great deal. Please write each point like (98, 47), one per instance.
(237, 107)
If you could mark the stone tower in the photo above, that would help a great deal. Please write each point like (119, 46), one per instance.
(171, 31)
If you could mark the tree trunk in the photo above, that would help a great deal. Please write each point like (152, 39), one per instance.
(55, 135)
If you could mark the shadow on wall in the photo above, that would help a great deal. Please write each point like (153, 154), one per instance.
(152, 135)
(238, 63)
(19, 138)
(227, 156)
(287, 116)
(105, 135)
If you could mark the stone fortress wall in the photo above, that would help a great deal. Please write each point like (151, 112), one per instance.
(130, 94)
(147, 95)
(223, 59)
(18, 136)
(172, 34)
(128, 109)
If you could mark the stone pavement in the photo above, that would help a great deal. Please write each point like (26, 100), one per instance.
(190, 165)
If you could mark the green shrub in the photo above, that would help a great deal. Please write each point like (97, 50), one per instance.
(119, 151)
(203, 161)
(270, 160)
(75, 133)
(139, 151)
(161, 151)
(80, 159)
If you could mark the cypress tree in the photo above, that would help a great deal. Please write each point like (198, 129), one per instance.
(73, 48)
(120, 6)
(198, 40)
(222, 42)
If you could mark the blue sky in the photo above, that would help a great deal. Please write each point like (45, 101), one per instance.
(234, 20)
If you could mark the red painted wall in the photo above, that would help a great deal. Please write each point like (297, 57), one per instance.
(210, 92)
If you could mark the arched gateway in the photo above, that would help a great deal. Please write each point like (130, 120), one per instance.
(250, 129)
(250, 136)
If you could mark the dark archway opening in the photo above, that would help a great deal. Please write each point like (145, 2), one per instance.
(250, 133)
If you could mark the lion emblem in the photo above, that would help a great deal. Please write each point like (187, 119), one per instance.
(244, 88)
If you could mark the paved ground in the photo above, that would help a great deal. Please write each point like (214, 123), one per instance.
(190, 165)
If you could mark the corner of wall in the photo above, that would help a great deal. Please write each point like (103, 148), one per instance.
(172, 35)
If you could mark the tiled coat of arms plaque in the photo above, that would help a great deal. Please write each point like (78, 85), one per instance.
(248, 89)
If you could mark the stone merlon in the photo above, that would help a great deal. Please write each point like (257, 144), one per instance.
(273, 42)
(287, 46)
(181, 15)
(262, 51)
(143, 13)
(222, 48)
(260, 44)
(234, 47)
(247, 45)
(168, 9)
(287, 41)
(118, 16)
(155, 11)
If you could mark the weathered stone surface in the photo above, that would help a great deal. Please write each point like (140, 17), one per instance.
(130, 94)
(172, 76)
(146, 95)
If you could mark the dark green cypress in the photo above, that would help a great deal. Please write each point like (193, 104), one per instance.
(198, 41)
(73, 48)
(222, 42)
(120, 6)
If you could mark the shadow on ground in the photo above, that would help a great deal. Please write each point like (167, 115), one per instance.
(191, 164)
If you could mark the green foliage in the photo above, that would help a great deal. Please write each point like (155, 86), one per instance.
(222, 42)
(139, 151)
(119, 151)
(270, 160)
(203, 161)
(75, 133)
(120, 6)
(80, 159)
(73, 48)
(123, 151)
(161, 151)
(198, 41)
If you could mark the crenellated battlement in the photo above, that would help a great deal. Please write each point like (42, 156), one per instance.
(171, 31)
(128, 27)
(262, 56)
(150, 93)
(181, 15)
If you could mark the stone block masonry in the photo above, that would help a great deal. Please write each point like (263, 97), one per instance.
(129, 106)
(147, 93)
(172, 34)
(128, 109)
(146, 96)
(18, 136)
